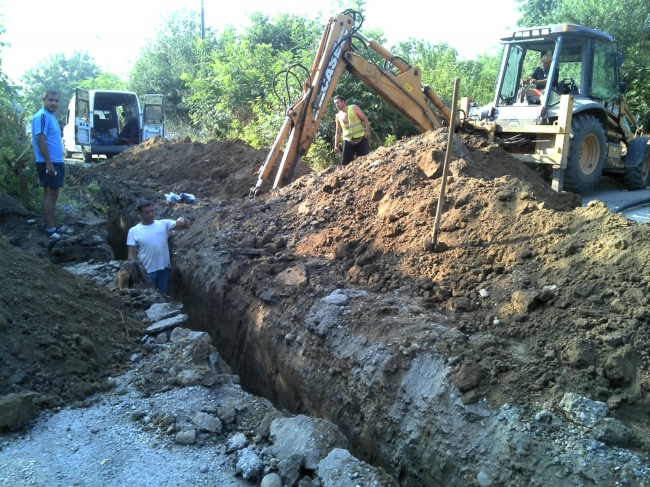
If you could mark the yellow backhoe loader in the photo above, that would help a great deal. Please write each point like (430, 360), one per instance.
(578, 127)
(401, 87)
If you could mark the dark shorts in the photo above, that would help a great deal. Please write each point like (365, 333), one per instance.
(52, 182)
(359, 149)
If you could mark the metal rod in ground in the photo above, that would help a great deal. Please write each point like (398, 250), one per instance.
(443, 187)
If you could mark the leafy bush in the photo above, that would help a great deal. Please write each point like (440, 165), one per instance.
(17, 176)
(320, 155)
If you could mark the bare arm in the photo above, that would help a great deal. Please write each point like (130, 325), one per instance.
(41, 141)
(337, 137)
(182, 223)
(362, 116)
(133, 252)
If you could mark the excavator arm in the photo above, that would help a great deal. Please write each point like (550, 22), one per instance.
(402, 90)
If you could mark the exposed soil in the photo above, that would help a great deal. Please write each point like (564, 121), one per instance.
(530, 296)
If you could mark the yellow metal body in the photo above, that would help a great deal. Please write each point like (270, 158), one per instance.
(402, 90)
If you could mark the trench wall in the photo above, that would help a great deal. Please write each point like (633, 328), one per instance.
(399, 411)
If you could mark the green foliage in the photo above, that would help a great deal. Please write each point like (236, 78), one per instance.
(58, 73)
(78, 200)
(15, 146)
(235, 86)
(103, 81)
(173, 58)
(321, 156)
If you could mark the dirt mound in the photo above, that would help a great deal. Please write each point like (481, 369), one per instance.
(212, 170)
(321, 296)
(554, 281)
(61, 335)
(564, 285)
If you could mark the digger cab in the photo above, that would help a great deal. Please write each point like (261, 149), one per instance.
(575, 126)
(585, 63)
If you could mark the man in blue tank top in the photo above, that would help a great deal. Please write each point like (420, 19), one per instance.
(48, 149)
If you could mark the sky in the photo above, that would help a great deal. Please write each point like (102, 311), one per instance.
(113, 32)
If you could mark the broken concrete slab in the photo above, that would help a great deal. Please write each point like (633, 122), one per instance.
(161, 311)
(166, 324)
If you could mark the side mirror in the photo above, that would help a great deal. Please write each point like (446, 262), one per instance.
(622, 87)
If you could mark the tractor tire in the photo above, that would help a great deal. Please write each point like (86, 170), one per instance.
(587, 152)
(638, 177)
(88, 156)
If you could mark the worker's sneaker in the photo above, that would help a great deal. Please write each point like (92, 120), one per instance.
(53, 233)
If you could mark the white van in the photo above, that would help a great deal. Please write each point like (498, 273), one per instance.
(109, 122)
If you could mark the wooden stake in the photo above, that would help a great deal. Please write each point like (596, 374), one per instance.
(431, 244)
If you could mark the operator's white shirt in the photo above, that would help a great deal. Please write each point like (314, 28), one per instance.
(151, 241)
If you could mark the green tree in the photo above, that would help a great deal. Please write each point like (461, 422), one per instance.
(15, 146)
(537, 12)
(58, 73)
(103, 81)
(235, 86)
(174, 57)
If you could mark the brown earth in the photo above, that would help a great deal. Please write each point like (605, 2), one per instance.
(537, 295)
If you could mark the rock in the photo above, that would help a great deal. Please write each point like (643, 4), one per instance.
(580, 353)
(161, 311)
(377, 195)
(523, 301)
(207, 422)
(217, 365)
(583, 411)
(249, 465)
(432, 163)
(545, 416)
(612, 431)
(137, 415)
(294, 276)
(483, 479)
(291, 467)
(469, 377)
(620, 369)
(17, 377)
(186, 437)
(166, 324)
(321, 318)
(236, 442)
(11, 206)
(337, 297)
(272, 480)
(86, 246)
(340, 469)
(301, 435)
(462, 304)
(16, 410)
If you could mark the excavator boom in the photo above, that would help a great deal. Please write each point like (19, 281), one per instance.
(403, 90)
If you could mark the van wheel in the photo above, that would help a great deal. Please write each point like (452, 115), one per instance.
(88, 156)
(638, 177)
(586, 159)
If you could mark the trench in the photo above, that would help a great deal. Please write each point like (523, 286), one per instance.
(384, 411)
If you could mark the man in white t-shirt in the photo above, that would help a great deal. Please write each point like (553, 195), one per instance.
(147, 241)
